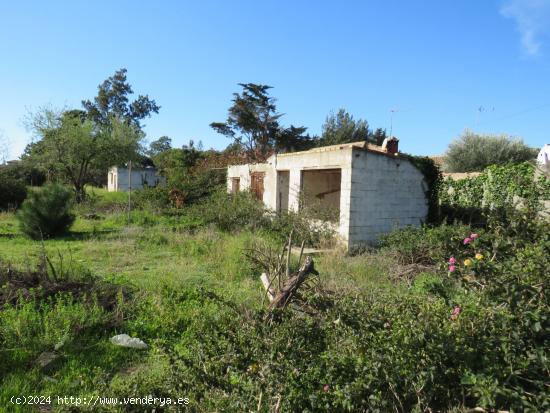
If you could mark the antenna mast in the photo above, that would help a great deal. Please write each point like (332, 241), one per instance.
(392, 111)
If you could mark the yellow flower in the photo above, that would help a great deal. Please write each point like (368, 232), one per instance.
(468, 262)
(253, 368)
(479, 256)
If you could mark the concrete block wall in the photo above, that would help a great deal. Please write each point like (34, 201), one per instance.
(315, 160)
(377, 192)
(387, 193)
(295, 163)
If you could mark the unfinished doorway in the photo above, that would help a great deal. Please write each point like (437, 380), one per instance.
(321, 192)
(257, 184)
(235, 185)
(283, 183)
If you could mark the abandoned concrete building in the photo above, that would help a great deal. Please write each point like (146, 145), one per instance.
(371, 188)
(120, 178)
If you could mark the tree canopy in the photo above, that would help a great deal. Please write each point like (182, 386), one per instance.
(176, 163)
(162, 144)
(474, 152)
(253, 124)
(72, 147)
(113, 100)
(341, 127)
(78, 145)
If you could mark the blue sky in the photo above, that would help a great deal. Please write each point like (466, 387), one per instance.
(442, 65)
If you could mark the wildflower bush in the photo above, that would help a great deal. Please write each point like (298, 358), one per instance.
(428, 245)
(500, 271)
(506, 273)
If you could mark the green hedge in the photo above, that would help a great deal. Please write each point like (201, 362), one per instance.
(498, 187)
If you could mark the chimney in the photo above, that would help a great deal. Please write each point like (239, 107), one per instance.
(391, 145)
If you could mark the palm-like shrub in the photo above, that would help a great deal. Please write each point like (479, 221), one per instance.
(46, 213)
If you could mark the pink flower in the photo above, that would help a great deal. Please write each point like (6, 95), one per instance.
(474, 236)
(467, 240)
(456, 311)
(326, 388)
(452, 268)
(452, 260)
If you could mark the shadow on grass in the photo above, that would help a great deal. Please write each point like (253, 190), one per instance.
(71, 236)
(84, 235)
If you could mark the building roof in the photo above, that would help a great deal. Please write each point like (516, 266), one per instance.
(137, 167)
(357, 145)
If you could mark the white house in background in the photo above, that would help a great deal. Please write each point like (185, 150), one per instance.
(543, 157)
(370, 188)
(119, 178)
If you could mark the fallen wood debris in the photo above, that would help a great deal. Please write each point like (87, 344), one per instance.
(279, 282)
(293, 283)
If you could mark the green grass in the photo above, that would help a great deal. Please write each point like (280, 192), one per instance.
(379, 343)
(155, 254)
(149, 256)
(104, 196)
(154, 251)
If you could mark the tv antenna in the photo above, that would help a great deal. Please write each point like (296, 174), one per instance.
(392, 111)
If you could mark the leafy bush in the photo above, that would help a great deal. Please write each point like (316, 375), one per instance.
(432, 179)
(314, 232)
(46, 212)
(502, 272)
(498, 187)
(155, 199)
(101, 200)
(241, 211)
(23, 171)
(231, 212)
(426, 245)
(12, 193)
(383, 352)
(473, 152)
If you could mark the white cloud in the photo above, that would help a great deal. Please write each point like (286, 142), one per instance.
(532, 19)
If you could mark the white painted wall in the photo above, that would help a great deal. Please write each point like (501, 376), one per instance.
(118, 178)
(543, 158)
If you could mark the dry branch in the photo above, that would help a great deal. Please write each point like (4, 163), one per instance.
(289, 289)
